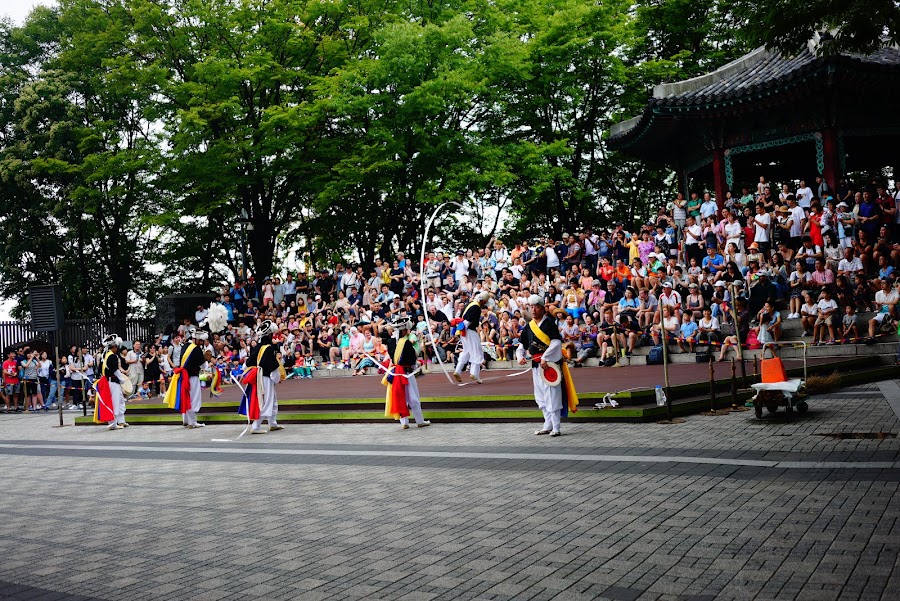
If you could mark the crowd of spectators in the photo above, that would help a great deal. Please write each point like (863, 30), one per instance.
(720, 276)
(697, 277)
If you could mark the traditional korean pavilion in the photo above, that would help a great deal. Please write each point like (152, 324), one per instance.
(774, 115)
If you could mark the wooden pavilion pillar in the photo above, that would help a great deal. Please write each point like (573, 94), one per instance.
(720, 184)
(831, 154)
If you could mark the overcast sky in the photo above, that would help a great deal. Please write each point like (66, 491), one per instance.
(17, 10)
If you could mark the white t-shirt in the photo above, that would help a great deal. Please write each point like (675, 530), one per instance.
(552, 258)
(460, 266)
(712, 324)
(796, 276)
(824, 305)
(761, 232)
(852, 266)
(732, 230)
(692, 234)
(886, 299)
(797, 217)
(804, 196)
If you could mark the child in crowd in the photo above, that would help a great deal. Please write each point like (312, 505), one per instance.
(144, 392)
(300, 369)
(688, 332)
(849, 325)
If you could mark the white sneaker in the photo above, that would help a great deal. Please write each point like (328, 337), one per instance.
(116, 427)
(258, 431)
(330, 366)
(197, 425)
(556, 433)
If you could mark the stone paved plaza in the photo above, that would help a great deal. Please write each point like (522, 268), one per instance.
(716, 508)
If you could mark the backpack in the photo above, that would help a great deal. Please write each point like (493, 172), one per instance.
(655, 356)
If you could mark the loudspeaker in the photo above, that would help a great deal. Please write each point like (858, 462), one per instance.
(46, 308)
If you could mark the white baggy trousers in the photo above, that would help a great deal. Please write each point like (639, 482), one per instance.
(471, 353)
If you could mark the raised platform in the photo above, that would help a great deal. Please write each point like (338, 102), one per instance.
(504, 396)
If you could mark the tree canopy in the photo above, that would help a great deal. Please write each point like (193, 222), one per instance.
(136, 133)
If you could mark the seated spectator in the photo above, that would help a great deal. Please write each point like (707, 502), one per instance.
(850, 325)
(821, 278)
(769, 320)
(825, 319)
(886, 304)
(708, 328)
(687, 333)
(669, 323)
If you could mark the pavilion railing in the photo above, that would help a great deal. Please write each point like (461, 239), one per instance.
(78, 331)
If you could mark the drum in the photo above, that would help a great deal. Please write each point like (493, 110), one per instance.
(127, 387)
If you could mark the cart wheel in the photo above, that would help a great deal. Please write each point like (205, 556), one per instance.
(802, 407)
(757, 409)
(772, 407)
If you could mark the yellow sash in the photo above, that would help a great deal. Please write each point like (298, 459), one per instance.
(469, 306)
(571, 395)
(398, 352)
(187, 353)
(538, 332)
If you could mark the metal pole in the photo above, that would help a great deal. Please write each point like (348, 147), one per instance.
(83, 389)
(737, 334)
(243, 251)
(59, 390)
(712, 387)
(733, 383)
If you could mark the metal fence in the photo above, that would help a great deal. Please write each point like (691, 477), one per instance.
(79, 331)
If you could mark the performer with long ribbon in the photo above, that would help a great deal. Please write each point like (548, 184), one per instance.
(467, 327)
(260, 400)
(402, 391)
(109, 406)
(554, 390)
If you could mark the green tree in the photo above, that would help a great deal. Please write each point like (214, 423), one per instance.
(856, 25)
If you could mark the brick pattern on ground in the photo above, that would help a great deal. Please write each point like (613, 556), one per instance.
(140, 529)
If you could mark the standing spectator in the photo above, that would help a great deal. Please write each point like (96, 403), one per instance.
(47, 379)
(152, 370)
(135, 365)
(279, 290)
(11, 384)
(762, 222)
(200, 314)
(804, 195)
(78, 383)
(499, 257)
(289, 287)
(693, 206)
(31, 391)
(679, 215)
(709, 208)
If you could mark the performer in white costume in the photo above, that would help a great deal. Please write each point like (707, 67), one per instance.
(472, 353)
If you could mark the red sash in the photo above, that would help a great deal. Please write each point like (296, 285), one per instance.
(397, 395)
(104, 404)
(249, 380)
(184, 382)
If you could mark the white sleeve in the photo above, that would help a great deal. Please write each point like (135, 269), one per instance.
(554, 351)
(520, 352)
